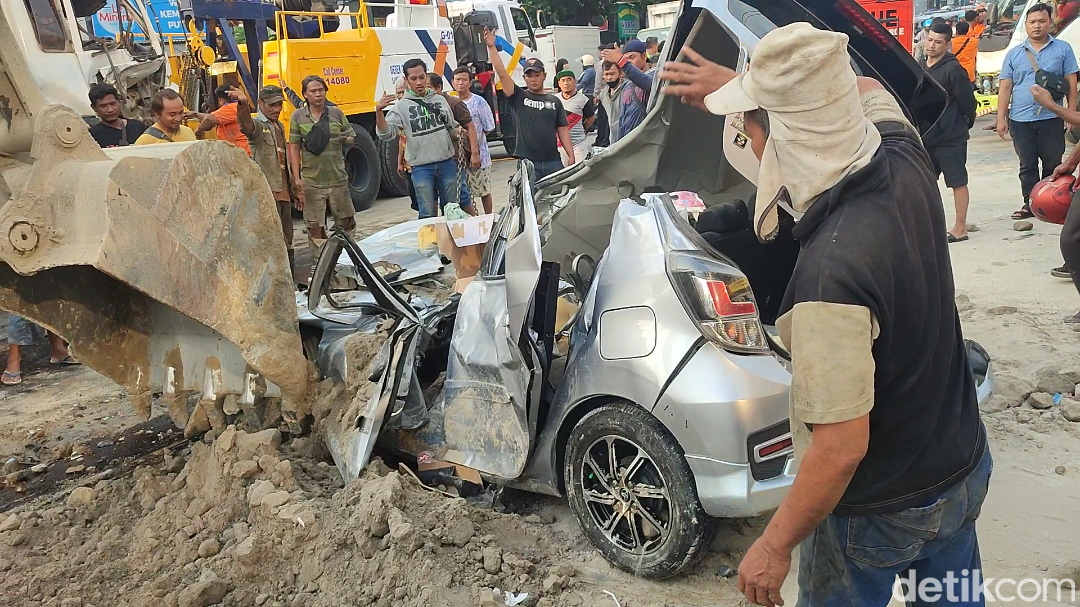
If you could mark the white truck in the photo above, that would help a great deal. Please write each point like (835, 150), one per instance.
(660, 19)
(568, 42)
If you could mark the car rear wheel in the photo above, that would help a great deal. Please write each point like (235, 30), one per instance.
(633, 493)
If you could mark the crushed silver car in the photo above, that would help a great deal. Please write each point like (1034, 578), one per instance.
(665, 405)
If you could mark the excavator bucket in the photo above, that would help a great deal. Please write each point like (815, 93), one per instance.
(164, 268)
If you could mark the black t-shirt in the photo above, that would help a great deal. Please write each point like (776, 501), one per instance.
(108, 137)
(875, 240)
(537, 117)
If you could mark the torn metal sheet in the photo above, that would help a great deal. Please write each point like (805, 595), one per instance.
(487, 381)
(399, 245)
(351, 437)
(522, 263)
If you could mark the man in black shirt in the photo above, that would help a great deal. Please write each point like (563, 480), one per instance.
(540, 117)
(114, 130)
(946, 141)
(897, 468)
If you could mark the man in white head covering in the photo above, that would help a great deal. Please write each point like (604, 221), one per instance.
(897, 469)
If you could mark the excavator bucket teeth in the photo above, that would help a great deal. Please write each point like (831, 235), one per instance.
(162, 265)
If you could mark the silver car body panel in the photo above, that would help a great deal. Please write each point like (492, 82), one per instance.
(485, 396)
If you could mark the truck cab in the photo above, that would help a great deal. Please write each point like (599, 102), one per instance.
(45, 36)
(1005, 30)
(514, 25)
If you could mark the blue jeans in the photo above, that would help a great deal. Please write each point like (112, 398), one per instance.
(853, 560)
(436, 179)
(543, 169)
(464, 199)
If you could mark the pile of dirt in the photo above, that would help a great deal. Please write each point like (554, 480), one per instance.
(246, 522)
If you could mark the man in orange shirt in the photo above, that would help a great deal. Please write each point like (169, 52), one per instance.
(966, 48)
(234, 110)
(976, 20)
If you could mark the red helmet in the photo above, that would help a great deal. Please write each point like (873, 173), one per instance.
(1050, 198)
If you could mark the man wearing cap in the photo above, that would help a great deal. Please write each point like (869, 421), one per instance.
(891, 456)
(539, 116)
(269, 150)
(587, 82)
(635, 96)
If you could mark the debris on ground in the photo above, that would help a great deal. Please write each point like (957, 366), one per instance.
(247, 521)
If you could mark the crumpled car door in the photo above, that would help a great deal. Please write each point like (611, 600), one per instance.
(493, 376)
(352, 431)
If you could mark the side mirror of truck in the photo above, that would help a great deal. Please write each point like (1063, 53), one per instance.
(469, 37)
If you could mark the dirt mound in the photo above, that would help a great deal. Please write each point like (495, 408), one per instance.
(244, 524)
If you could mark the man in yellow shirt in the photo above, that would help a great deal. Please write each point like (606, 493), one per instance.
(168, 109)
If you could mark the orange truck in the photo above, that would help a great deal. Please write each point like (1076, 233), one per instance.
(897, 16)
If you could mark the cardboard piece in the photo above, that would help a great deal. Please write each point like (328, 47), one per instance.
(471, 231)
(466, 480)
(465, 258)
(460, 284)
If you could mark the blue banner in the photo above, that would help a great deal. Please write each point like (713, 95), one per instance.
(164, 18)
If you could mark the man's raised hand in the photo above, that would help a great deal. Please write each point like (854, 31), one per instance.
(694, 78)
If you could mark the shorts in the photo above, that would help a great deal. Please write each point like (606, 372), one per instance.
(20, 332)
(479, 181)
(581, 150)
(951, 159)
(317, 199)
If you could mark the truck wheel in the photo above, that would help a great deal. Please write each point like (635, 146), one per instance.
(362, 165)
(509, 130)
(393, 183)
(509, 144)
(633, 493)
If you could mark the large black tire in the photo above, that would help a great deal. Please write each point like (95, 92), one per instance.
(362, 164)
(509, 131)
(662, 487)
(393, 183)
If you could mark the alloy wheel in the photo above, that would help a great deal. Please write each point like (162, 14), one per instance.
(626, 495)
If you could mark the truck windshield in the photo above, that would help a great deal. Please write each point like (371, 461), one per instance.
(524, 27)
(48, 25)
(1009, 15)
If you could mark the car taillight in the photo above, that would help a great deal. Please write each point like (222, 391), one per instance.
(719, 300)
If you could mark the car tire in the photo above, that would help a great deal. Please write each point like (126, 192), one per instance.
(670, 531)
(393, 183)
(362, 165)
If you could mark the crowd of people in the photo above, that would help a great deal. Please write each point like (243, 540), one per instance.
(1037, 91)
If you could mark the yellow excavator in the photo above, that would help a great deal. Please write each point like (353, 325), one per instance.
(162, 265)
